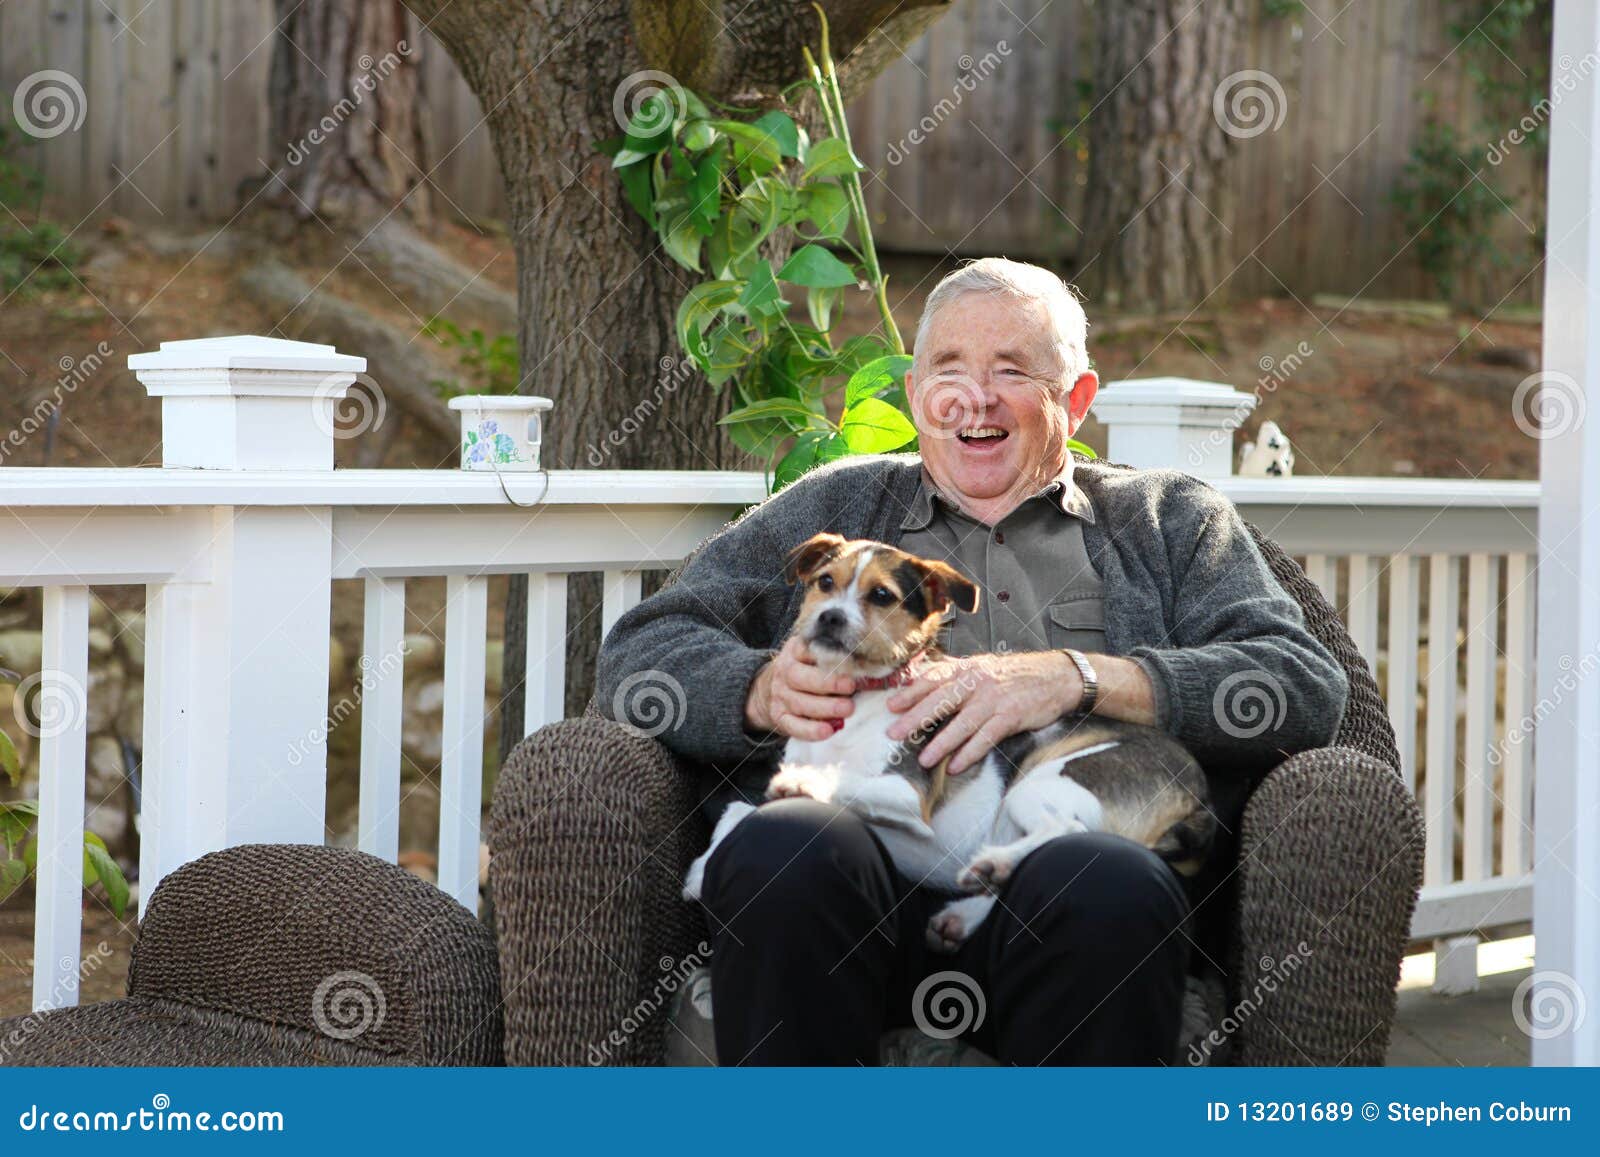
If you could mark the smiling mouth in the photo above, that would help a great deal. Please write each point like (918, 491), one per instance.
(983, 436)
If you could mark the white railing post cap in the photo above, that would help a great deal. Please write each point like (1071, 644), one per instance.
(246, 402)
(1173, 422)
(247, 352)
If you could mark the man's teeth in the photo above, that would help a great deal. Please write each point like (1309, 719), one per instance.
(982, 432)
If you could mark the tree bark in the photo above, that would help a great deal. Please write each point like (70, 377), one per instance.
(346, 109)
(1156, 215)
(596, 297)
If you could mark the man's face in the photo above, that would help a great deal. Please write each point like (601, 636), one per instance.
(991, 408)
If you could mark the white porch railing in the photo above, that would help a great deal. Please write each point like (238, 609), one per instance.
(238, 552)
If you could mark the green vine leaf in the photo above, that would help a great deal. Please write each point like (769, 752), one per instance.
(782, 129)
(827, 208)
(755, 151)
(10, 763)
(106, 871)
(761, 293)
(831, 157)
(816, 268)
(12, 875)
(875, 377)
(769, 408)
(873, 426)
(696, 311)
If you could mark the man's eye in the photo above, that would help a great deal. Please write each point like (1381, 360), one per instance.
(825, 583)
(881, 596)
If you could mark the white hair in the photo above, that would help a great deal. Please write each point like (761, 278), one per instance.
(1016, 279)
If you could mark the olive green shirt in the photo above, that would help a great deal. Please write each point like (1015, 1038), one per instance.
(1039, 590)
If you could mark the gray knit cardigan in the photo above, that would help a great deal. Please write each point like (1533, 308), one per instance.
(1237, 677)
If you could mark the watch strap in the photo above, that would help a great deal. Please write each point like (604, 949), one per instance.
(1091, 680)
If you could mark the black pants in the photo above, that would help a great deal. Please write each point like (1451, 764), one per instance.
(819, 947)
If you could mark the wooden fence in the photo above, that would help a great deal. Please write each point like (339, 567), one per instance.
(968, 135)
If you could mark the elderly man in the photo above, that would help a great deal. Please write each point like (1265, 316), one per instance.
(1139, 595)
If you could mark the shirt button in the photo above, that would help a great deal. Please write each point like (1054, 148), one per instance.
(1000, 537)
(1004, 596)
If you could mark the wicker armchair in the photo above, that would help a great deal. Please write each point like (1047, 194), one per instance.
(592, 828)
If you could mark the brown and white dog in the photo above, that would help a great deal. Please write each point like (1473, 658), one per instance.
(869, 611)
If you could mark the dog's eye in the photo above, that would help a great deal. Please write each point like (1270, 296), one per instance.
(825, 582)
(881, 597)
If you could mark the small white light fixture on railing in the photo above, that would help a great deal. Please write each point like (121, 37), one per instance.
(500, 432)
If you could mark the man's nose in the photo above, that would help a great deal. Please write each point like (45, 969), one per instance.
(831, 619)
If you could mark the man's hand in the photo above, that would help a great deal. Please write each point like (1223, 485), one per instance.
(982, 699)
(793, 696)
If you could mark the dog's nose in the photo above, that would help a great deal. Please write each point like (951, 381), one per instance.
(831, 619)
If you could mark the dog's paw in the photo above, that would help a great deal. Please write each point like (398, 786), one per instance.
(988, 871)
(802, 783)
(954, 924)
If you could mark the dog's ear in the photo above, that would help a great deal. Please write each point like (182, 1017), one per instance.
(946, 587)
(810, 554)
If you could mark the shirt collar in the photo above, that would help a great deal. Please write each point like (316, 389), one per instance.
(1061, 492)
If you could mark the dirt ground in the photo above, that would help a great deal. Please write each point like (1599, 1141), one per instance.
(1394, 389)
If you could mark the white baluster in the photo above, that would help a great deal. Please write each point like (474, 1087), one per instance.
(1440, 765)
(1401, 688)
(461, 765)
(622, 593)
(1516, 830)
(63, 711)
(1323, 571)
(1363, 608)
(546, 681)
(1483, 581)
(382, 710)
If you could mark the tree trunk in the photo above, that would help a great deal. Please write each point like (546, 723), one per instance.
(596, 297)
(1156, 212)
(347, 115)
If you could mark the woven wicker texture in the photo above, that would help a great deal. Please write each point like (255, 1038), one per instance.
(591, 829)
(292, 952)
(599, 825)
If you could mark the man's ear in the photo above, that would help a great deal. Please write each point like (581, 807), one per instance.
(810, 554)
(947, 587)
(1080, 398)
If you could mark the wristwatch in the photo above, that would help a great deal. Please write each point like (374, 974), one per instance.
(1091, 681)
